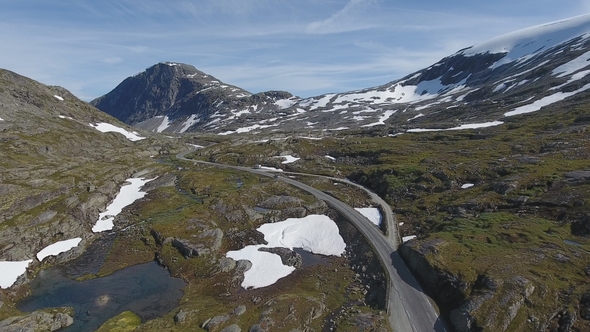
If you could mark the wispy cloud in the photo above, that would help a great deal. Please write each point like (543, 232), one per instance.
(344, 20)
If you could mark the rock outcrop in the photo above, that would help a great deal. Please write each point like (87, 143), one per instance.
(37, 321)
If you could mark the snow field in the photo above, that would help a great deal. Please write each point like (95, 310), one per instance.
(372, 214)
(126, 196)
(317, 234)
(11, 271)
(57, 248)
(107, 127)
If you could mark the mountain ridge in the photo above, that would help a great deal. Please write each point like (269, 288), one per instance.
(479, 84)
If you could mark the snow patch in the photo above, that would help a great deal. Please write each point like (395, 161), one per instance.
(107, 127)
(57, 248)
(63, 117)
(285, 103)
(467, 185)
(289, 159)
(461, 127)
(58, 97)
(372, 214)
(271, 169)
(11, 271)
(165, 124)
(330, 157)
(245, 129)
(408, 238)
(126, 196)
(415, 117)
(572, 66)
(317, 234)
(193, 119)
(382, 119)
(545, 101)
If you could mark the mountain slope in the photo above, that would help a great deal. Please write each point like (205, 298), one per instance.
(174, 97)
(480, 83)
(61, 160)
(513, 74)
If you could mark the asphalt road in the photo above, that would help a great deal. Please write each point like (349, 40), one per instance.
(409, 309)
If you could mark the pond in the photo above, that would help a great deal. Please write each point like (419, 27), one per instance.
(148, 290)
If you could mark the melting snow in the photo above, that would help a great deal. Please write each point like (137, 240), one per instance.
(285, 103)
(289, 159)
(461, 127)
(165, 124)
(1, 119)
(272, 169)
(322, 102)
(330, 157)
(317, 234)
(126, 196)
(189, 122)
(107, 127)
(575, 77)
(382, 119)
(11, 271)
(245, 129)
(408, 238)
(63, 117)
(57, 248)
(372, 214)
(58, 97)
(467, 185)
(415, 117)
(537, 105)
(572, 66)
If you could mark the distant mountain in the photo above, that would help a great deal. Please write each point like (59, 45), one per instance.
(173, 97)
(513, 74)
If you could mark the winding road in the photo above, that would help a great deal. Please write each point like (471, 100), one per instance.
(409, 309)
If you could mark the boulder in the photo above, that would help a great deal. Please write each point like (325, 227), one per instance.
(288, 256)
(256, 328)
(180, 317)
(232, 328)
(186, 248)
(226, 264)
(239, 310)
(36, 321)
(211, 323)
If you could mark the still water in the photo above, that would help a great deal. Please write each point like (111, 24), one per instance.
(146, 289)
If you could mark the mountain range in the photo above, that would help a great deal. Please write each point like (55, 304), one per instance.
(481, 85)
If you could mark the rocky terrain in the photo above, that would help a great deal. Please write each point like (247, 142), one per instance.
(484, 157)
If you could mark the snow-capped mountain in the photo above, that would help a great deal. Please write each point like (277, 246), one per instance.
(173, 97)
(481, 85)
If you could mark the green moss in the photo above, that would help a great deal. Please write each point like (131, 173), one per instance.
(124, 322)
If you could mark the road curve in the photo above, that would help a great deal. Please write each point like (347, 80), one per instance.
(388, 217)
(409, 309)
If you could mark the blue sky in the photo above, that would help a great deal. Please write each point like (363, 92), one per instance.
(306, 47)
